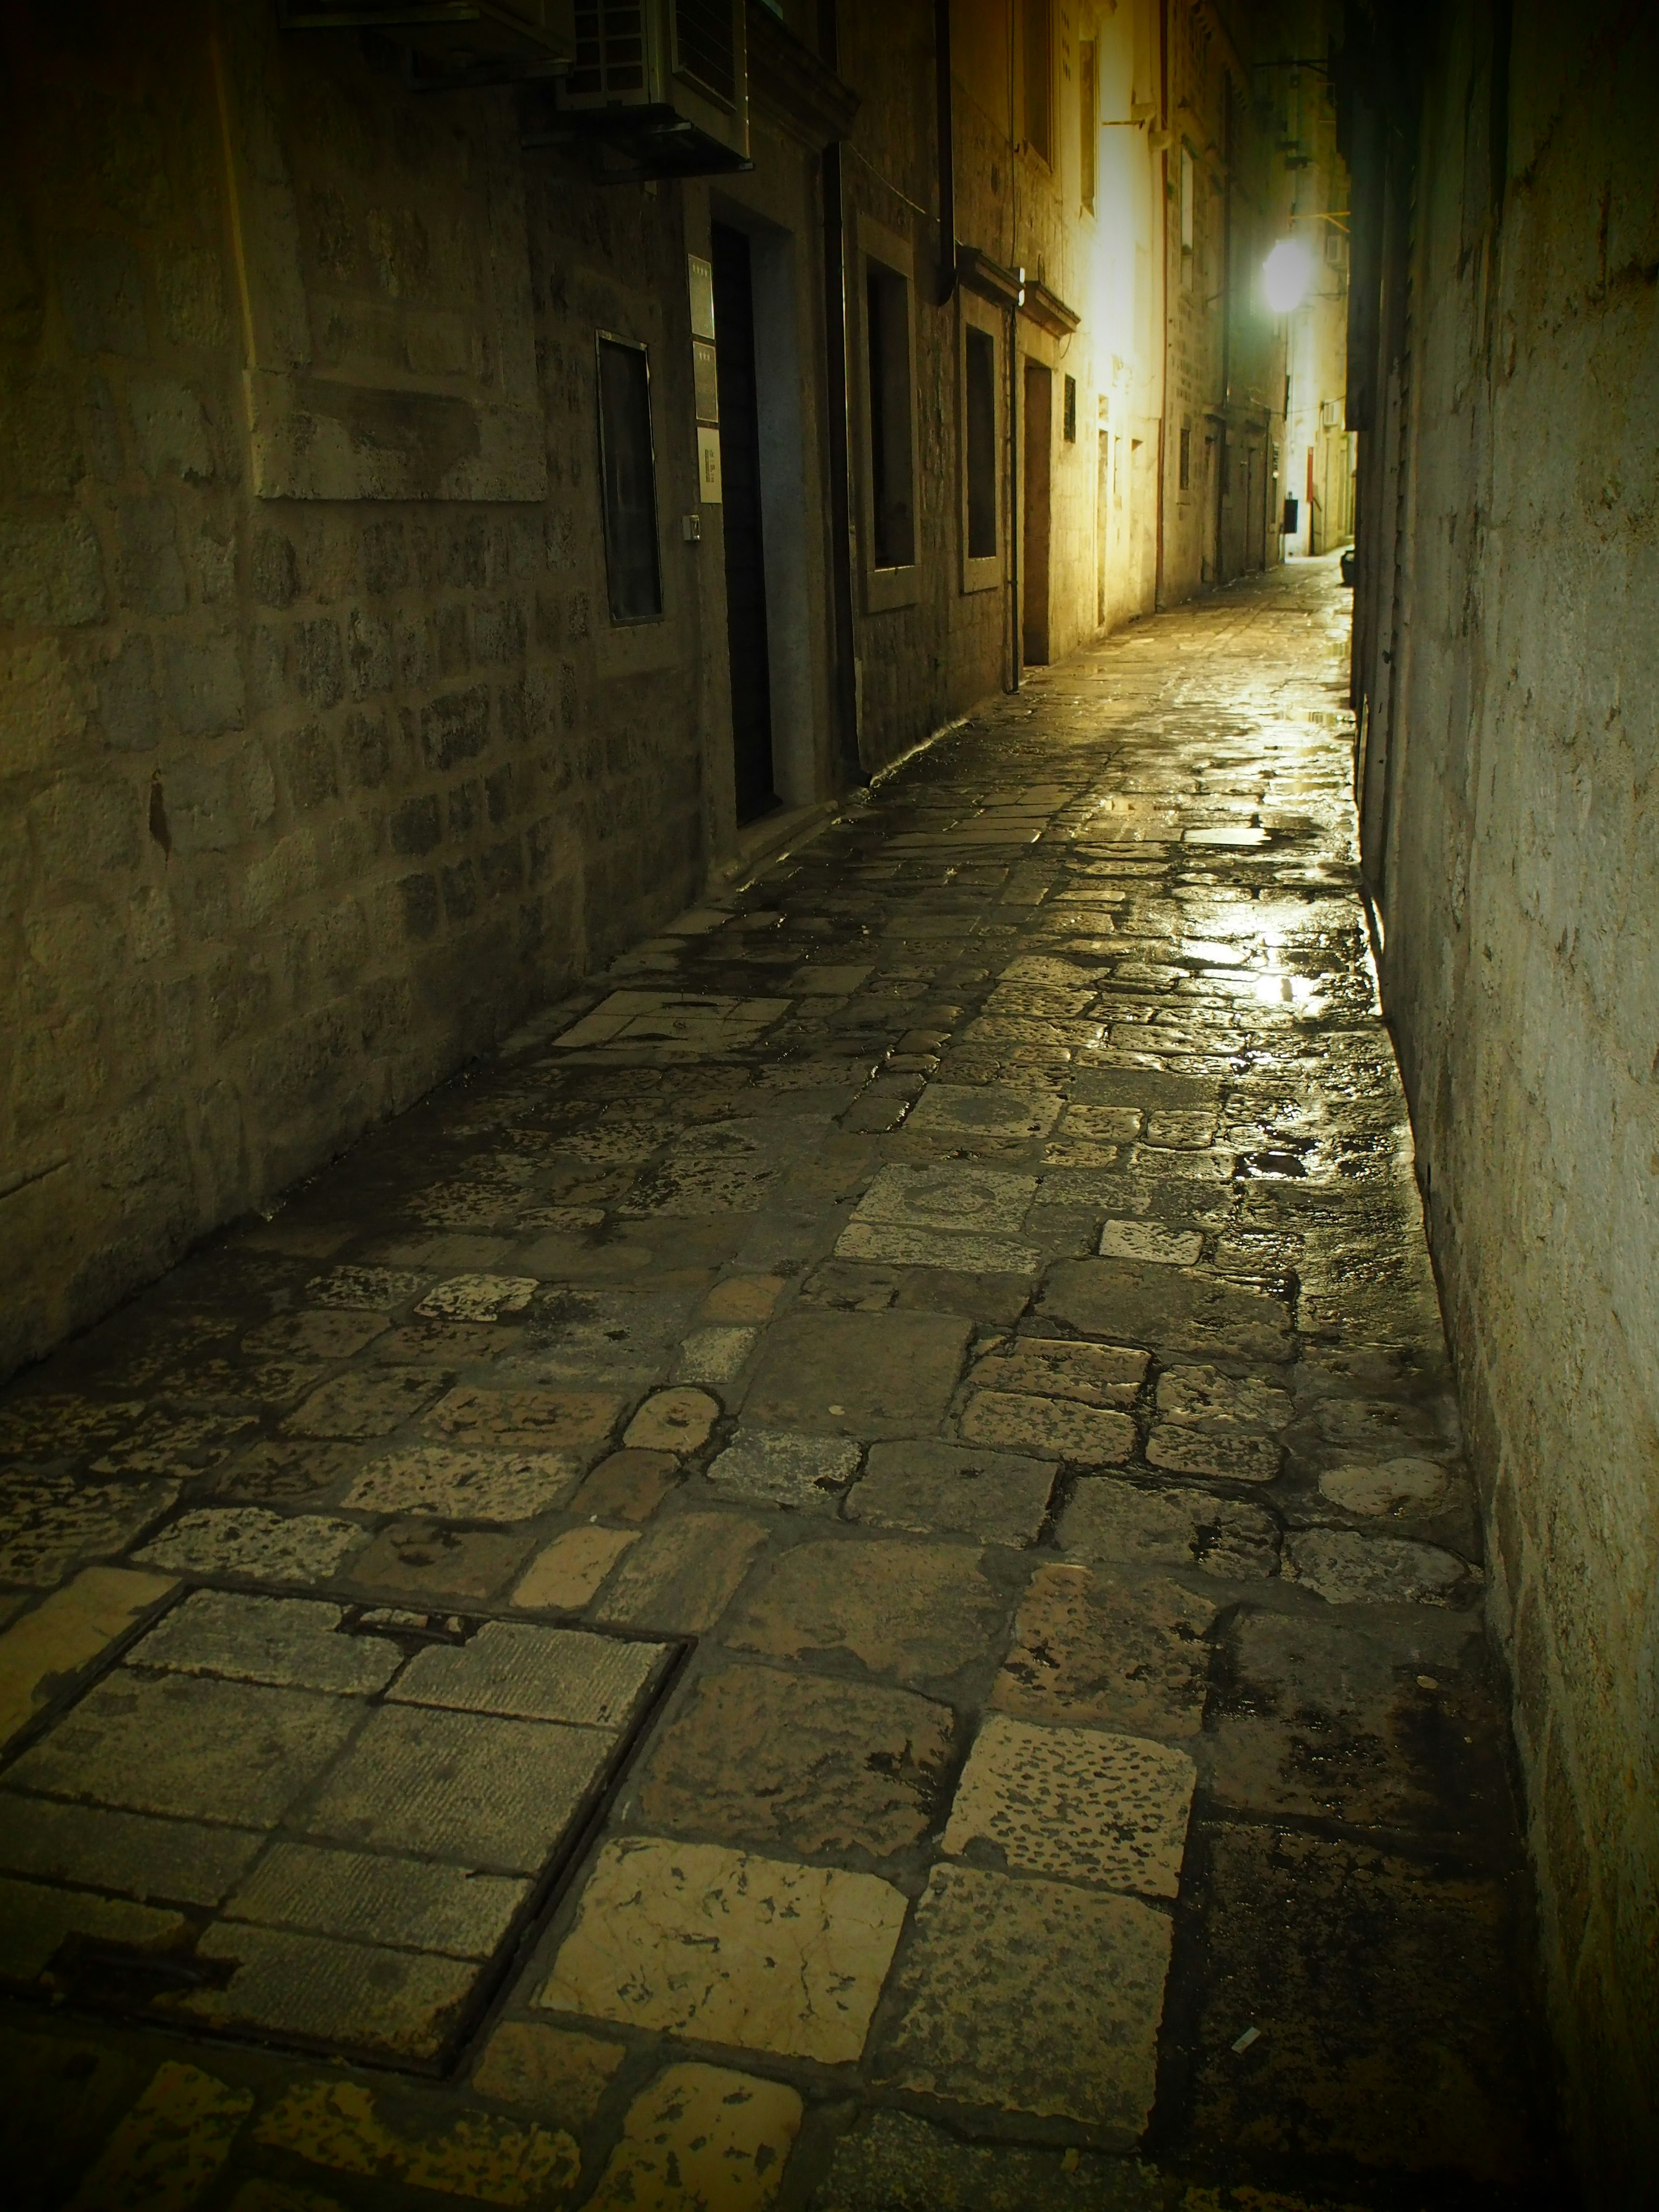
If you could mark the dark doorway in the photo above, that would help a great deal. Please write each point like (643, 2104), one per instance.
(745, 551)
(1039, 392)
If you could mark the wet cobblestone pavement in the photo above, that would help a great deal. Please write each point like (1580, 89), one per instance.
(843, 1581)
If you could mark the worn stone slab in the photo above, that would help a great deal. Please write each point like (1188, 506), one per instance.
(1347, 1567)
(1334, 1717)
(402, 2004)
(1166, 1308)
(953, 1197)
(50, 1523)
(1051, 1428)
(429, 1561)
(378, 1289)
(701, 2135)
(168, 2147)
(1203, 1397)
(1056, 1367)
(1031, 1996)
(189, 1747)
(1107, 1650)
(338, 2124)
(678, 1420)
(742, 1300)
(1074, 1803)
(364, 1897)
(465, 1485)
(534, 1674)
(296, 1643)
(564, 1575)
(173, 1861)
(914, 1610)
(682, 1574)
(715, 1355)
(891, 2161)
(1386, 1488)
(628, 1486)
(487, 1792)
(774, 1466)
(1383, 1991)
(1235, 1458)
(314, 1334)
(285, 1471)
(860, 1375)
(248, 1539)
(478, 1297)
(701, 1941)
(53, 1425)
(797, 1764)
(65, 1632)
(366, 1402)
(899, 1244)
(527, 1420)
(964, 1111)
(1001, 1498)
(558, 2070)
(1151, 1240)
(1123, 1524)
(35, 1919)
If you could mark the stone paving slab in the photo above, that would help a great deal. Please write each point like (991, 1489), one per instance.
(798, 1763)
(729, 1948)
(1031, 1996)
(1062, 1268)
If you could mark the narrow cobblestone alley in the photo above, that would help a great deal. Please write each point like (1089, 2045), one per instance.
(844, 1579)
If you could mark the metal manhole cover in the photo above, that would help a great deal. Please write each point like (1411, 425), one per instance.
(331, 1826)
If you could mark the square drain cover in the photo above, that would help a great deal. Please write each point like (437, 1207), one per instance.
(320, 1825)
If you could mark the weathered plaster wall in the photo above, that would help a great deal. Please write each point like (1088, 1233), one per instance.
(1510, 839)
(306, 797)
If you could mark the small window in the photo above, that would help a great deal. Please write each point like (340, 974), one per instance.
(1039, 77)
(892, 499)
(980, 373)
(1186, 460)
(1088, 123)
(628, 479)
(1188, 195)
(1068, 413)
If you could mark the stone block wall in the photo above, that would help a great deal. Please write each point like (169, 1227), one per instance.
(308, 798)
(1508, 669)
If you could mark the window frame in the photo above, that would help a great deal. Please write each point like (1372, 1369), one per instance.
(1088, 74)
(601, 339)
(885, 250)
(983, 572)
(1033, 12)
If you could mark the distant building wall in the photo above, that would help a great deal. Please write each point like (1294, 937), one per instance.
(1505, 382)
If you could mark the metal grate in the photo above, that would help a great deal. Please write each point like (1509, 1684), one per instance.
(326, 1826)
(706, 47)
(610, 56)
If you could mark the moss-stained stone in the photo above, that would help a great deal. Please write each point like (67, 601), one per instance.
(1366, 2048)
(1031, 1997)
(475, 2155)
(556, 2071)
(170, 2148)
(891, 2162)
(700, 2136)
(797, 1763)
(66, 1632)
(726, 1948)
(1110, 1651)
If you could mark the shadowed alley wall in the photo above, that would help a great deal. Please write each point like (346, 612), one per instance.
(1506, 369)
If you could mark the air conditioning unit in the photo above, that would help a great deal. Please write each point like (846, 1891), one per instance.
(664, 82)
(457, 42)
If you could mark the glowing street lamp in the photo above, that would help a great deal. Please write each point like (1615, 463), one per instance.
(1285, 275)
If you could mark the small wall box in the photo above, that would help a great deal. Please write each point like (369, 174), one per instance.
(666, 83)
(458, 42)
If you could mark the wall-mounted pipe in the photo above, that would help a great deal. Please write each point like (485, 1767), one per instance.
(838, 412)
(947, 159)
